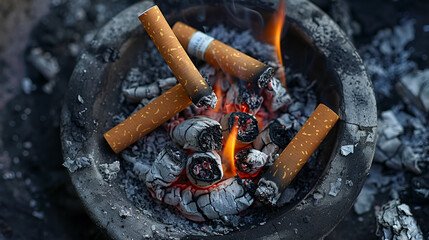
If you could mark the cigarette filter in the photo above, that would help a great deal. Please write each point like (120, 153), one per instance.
(172, 51)
(223, 56)
(295, 155)
(148, 118)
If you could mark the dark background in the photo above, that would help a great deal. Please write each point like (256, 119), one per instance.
(37, 200)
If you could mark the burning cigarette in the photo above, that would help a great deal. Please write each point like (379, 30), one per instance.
(199, 133)
(172, 51)
(165, 170)
(275, 136)
(148, 118)
(248, 128)
(295, 155)
(204, 169)
(249, 161)
(223, 56)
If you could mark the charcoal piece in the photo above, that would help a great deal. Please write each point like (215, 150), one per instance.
(165, 170)
(228, 197)
(248, 128)
(275, 136)
(395, 221)
(204, 169)
(199, 133)
(137, 93)
(250, 161)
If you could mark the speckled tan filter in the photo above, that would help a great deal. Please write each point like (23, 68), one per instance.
(148, 118)
(174, 54)
(219, 54)
(302, 146)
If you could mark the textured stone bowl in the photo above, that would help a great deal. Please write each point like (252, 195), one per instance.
(314, 43)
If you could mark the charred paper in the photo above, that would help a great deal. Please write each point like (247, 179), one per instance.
(250, 161)
(199, 133)
(204, 169)
(165, 170)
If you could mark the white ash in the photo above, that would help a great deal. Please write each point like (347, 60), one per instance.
(109, 171)
(365, 199)
(335, 187)
(414, 88)
(44, 62)
(391, 150)
(166, 169)
(199, 133)
(387, 57)
(347, 150)
(395, 221)
(250, 161)
(80, 162)
(280, 99)
(276, 135)
(228, 198)
(138, 93)
(204, 168)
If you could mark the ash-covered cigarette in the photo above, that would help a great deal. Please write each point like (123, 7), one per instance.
(165, 170)
(223, 56)
(136, 94)
(275, 136)
(244, 98)
(248, 128)
(295, 155)
(228, 197)
(181, 65)
(204, 169)
(249, 161)
(199, 133)
(148, 118)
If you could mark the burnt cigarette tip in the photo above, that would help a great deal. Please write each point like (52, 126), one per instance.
(208, 101)
(264, 78)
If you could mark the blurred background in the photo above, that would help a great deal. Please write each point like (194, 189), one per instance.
(40, 41)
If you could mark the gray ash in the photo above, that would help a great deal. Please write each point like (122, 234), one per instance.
(139, 157)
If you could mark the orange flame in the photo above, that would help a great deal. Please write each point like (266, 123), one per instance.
(273, 35)
(228, 156)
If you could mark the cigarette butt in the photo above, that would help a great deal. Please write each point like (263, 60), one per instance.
(297, 152)
(173, 53)
(148, 118)
(222, 56)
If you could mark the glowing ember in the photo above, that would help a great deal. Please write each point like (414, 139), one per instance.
(273, 35)
(229, 152)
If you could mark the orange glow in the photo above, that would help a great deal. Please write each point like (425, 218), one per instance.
(228, 155)
(273, 34)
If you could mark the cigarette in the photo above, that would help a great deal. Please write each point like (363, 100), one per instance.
(199, 133)
(295, 155)
(223, 56)
(248, 128)
(148, 118)
(165, 170)
(275, 136)
(204, 168)
(173, 53)
(249, 162)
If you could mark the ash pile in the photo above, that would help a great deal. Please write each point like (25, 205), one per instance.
(176, 173)
(397, 191)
